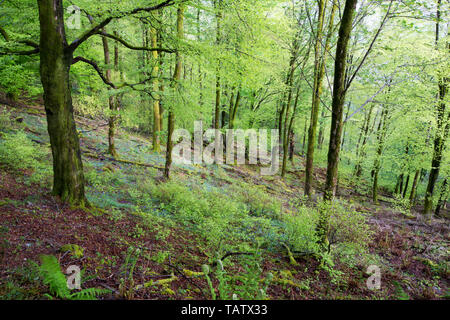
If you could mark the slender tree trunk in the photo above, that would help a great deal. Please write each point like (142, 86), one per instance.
(117, 104)
(176, 79)
(321, 128)
(360, 151)
(304, 136)
(155, 85)
(337, 111)
(382, 128)
(406, 186)
(288, 131)
(412, 195)
(55, 63)
(284, 129)
(339, 92)
(218, 4)
(320, 58)
(399, 184)
(344, 130)
(233, 110)
(161, 83)
(291, 146)
(200, 80)
(443, 123)
(442, 198)
(111, 100)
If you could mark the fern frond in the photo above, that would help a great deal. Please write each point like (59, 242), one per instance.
(52, 276)
(88, 294)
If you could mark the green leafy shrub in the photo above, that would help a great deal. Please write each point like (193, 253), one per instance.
(402, 205)
(349, 232)
(258, 202)
(18, 152)
(299, 230)
(5, 120)
(247, 285)
(213, 215)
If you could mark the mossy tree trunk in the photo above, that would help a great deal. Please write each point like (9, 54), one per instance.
(443, 123)
(55, 62)
(406, 186)
(111, 100)
(442, 197)
(339, 92)
(155, 84)
(176, 79)
(320, 56)
(382, 129)
(360, 148)
(218, 6)
(288, 132)
(233, 110)
(412, 195)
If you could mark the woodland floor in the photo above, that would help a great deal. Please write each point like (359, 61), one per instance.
(415, 253)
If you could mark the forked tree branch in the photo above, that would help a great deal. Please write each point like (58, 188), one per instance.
(95, 29)
(20, 52)
(105, 80)
(133, 47)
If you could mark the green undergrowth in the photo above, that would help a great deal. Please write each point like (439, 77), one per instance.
(226, 213)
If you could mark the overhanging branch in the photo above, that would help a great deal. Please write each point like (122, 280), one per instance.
(95, 29)
(109, 83)
(133, 47)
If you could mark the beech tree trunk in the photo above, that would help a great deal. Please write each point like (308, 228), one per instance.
(156, 101)
(337, 112)
(443, 123)
(412, 195)
(218, 5)
(317, 90)
(55, 63)
(442, 198)
(339, 92)
(382, 128)
(176, 79)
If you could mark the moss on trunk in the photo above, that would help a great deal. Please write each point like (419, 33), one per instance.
(55, 62)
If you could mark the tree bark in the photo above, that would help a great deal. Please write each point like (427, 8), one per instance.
(412, 195)
(360, 150)
(442, 198)
(155, 84)
(218, 5)
(443, 123)
(111, 100)
(288, 131)
(406, 186)
(319, 72)
(176, 79)
(382, 128)
(55, 62)
(339, 92)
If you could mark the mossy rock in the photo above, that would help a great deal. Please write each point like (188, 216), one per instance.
(75, 250)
